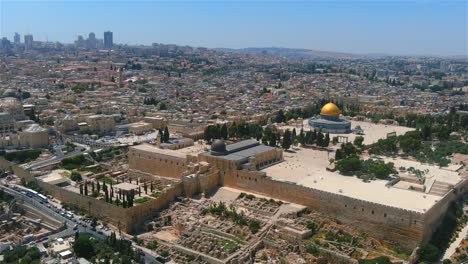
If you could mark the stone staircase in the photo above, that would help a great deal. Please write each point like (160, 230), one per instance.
(439, 188)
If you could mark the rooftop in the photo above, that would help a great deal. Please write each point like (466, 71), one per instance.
(153, 149)
(242, 150)
(307, 167)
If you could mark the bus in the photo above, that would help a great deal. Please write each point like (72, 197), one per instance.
(42, 198)
(31, 193)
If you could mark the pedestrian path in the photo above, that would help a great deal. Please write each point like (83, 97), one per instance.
(451, 249)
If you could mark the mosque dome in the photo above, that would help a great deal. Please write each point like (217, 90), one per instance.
(330, 109)
(218, 146)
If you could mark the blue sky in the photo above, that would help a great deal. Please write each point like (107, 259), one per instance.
(394, 27)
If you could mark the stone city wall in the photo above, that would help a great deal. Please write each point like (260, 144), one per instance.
(208, 182)
(157, 163)
(138, 214)
(433, 216)
(383, 222)
(128, 218)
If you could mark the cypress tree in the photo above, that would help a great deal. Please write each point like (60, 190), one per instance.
(224, 131)
(166, 134)
(286, 144)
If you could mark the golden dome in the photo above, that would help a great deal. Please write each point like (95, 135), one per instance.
(330, 109)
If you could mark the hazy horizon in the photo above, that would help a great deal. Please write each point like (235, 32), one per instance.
(362, 27)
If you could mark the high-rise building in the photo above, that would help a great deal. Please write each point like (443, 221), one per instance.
(17, 38)
(5, 43)
(92, 43)
(28, 41)
(80, 42)
(108, 40)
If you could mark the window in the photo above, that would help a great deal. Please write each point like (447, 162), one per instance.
(345, 205)
(372, 212)
(384, 215)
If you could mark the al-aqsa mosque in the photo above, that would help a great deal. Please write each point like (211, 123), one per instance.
(330, 121)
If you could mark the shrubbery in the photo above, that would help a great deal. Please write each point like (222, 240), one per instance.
(75, 162)
(362, 168)
(22, 156)
(75, 176)
(20, 254)
(429, 252)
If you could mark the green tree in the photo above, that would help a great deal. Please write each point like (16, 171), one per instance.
(429, 253)
(232, 131)
(326, 141)
(302, 137)
(358, 141)
(75, 176)
(86, 188)
(319, 139)
(224, 131)
(83, 247)
(338, 154)
(166, 134)
(280, 118)
(349, 165)
(286, 143)
(162, 106)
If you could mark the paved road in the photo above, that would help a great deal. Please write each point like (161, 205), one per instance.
(148, 255)
(58, 157)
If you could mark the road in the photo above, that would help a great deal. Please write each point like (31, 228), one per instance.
(148, 255)
(58, 157)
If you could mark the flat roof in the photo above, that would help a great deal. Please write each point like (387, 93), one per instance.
(307, 167)
(154, 149)
(244, 144)
(246, 151)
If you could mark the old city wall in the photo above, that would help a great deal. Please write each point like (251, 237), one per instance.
(208, 182)
(128, 218)
(200, 183)
(382, 222)
(157, 163)
(433, 216)
(138, 214)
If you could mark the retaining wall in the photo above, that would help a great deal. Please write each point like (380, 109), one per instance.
(383, 222)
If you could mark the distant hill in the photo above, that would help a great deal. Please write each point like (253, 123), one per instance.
(296, 53)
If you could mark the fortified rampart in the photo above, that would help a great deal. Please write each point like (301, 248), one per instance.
(405, 227)
(156, 163)
(129, 219)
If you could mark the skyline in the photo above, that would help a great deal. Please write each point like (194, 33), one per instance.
(361, 27)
